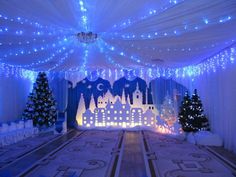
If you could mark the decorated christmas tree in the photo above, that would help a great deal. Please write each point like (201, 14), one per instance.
(185, 114)
(41, 106)
(199, 121)
(168, 111)
(29, 110)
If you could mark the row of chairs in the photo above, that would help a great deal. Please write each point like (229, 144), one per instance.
(16, 131)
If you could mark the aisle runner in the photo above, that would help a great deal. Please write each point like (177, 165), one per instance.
(11, 152)
(132, 164)
(177, 158)
(86, 156)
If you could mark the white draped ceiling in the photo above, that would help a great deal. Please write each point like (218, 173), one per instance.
(41, 34)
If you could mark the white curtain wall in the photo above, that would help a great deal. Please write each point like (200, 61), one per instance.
(13, 96)
(218, 93)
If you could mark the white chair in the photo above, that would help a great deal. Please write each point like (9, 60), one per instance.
(6, 136)
(30, 130)
(20, 130)
(12, 135)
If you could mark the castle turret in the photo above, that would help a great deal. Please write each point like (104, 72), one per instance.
(101, 102)
(108, 97)
(137, 97)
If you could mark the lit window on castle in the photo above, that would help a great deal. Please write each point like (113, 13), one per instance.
(85, 117)
(115, 111)
(127, 112)
(145, 118)
(91, 117)
(88, 125)
(127, 118)
(145, 122)
(115, 118)
(112, 106)
(139, 110)
(108, 118)
(108, 112)
(102, 110)
(120, 118)
(133, 110)
(123, 106)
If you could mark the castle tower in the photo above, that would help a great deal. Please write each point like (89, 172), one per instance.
(146, 105)
(108, 97)
(137, 97)
(101, 102)
(80, 110)
(92, 104)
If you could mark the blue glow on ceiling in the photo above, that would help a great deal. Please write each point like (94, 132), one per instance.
(33, 44)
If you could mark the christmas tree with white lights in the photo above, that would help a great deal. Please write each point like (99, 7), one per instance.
(199, 121)
(185, 114)
(41, 106)
(28, 112)
(168, 111)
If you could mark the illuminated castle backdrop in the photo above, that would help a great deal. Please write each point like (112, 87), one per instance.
(117, 111)
(129, 103)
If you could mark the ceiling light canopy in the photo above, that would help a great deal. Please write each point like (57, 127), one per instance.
(129, 34)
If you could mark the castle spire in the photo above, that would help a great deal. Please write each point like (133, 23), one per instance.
(123, 100)
(128, 100)
(92, 104)
(137, 87)
(80, 110)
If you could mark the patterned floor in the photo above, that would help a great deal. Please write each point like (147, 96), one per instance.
(86, 156)
(9, 154)
(97, 153)
(177, 158)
